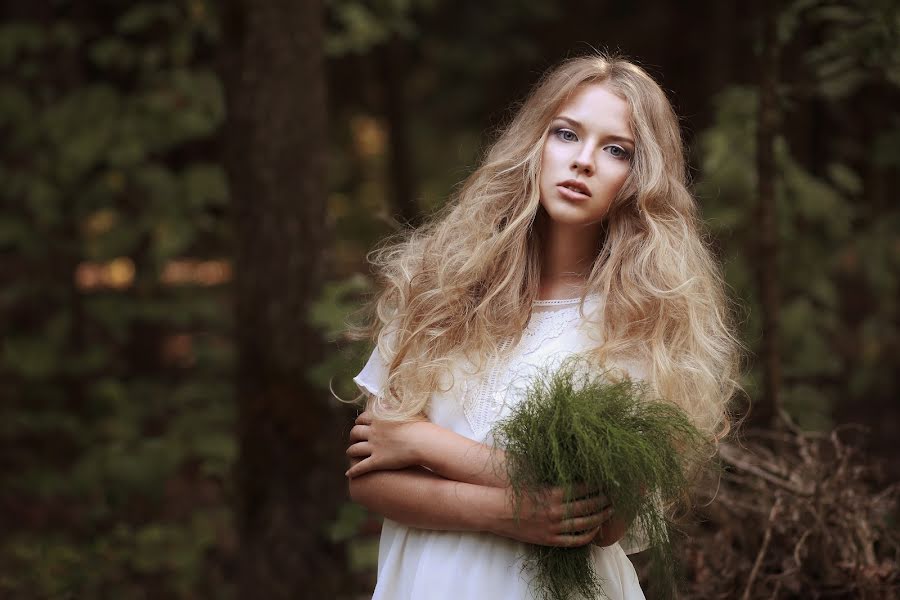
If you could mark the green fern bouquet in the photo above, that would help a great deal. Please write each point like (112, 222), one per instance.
(579, 426)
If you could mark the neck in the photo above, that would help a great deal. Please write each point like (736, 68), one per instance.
(569, 252)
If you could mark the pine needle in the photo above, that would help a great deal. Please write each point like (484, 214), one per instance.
(579, 426)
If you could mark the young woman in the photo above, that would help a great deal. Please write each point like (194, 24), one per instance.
(576, 234)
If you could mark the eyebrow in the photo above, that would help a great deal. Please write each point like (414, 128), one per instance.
(618, 138)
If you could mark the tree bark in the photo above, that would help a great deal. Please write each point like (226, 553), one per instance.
(394, 67)
(290, 466)
(768, 405)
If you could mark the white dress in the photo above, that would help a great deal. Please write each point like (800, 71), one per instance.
(420, 564)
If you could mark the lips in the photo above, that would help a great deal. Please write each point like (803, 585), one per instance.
(575, 186)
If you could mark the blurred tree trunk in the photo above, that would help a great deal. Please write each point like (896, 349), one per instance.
(768, 405)
(723, 16)
(290, 469)
(395, 68)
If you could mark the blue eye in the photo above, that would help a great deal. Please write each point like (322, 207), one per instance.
(620, 152)
(563, 130)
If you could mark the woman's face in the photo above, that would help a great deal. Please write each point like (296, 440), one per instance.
(590, 143)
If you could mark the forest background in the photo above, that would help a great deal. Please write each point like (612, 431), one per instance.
(189, 190)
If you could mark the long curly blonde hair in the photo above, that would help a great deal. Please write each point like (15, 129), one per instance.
(466, 279)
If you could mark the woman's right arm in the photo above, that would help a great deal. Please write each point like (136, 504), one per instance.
(391, 445)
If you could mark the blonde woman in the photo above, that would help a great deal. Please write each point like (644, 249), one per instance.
(576, 233)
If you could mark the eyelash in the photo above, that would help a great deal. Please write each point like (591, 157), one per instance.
(625, 153)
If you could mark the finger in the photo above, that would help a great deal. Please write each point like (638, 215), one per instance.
(360, 433)
(581, 524)
(365, 418)
(577, 491)
(575, 540)
(360, 468)
(360, 450)
(588, 506)
(580, 507)
(582, 490)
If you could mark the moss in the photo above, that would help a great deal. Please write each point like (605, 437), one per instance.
(576, 425)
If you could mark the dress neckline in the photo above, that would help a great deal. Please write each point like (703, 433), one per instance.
(565, 301)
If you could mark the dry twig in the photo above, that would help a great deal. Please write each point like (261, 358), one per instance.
(795, 515)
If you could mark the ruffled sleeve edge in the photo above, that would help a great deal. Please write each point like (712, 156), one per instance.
(366, 386)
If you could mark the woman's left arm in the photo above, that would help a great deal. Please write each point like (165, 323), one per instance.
(396, 445)
(384, 445)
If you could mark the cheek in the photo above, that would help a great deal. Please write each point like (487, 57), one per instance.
(624, 176)
(618, 173)
(614, 181)
(555, 153)
(546, 159)
(548, 167)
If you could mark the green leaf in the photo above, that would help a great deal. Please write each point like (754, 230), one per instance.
(144, 15)
(14, 232)
(347, 523)
(31, 357)
(19, 38)
(171, 237)
(113, 53)
(204, 185)
(811, 407)
(845, 178)
(337, 299)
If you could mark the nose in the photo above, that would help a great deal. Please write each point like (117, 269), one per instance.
(584, 161)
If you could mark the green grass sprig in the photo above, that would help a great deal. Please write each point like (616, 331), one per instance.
(576, 425)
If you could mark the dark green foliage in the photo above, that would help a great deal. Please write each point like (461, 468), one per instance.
(578, 426)
(837, 265)
(116, 468)
(117, 415)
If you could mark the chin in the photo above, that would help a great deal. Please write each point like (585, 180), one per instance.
(571, 215)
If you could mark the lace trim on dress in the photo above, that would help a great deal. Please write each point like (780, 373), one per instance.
(485, 401)
(591, 296)
(547, 326)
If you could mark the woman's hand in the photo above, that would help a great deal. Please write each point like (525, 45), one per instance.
(549, 519)
(610, 532)
(381, 445)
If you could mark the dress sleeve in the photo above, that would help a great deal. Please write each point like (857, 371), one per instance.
(373, 376)
(635, 538)
(634, 541)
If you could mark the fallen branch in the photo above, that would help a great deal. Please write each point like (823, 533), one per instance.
(730, 456)
(767, 537)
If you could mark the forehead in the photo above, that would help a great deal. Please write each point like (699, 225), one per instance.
(598, 107)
